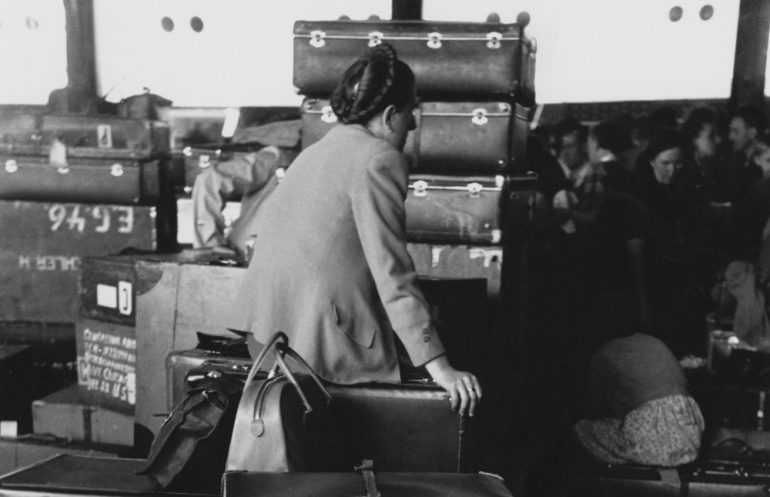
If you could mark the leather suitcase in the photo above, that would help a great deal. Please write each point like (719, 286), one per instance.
(466, 209)
(72, 475)
(449, 59)
(105, 137)
(244, 484)
(179, 363)
(451, 137)
(330, 427)
(700, 479)
(403, 428)
(89, 180)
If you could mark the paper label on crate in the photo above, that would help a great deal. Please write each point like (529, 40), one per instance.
(9, 429)
(106, 296)
(125, 298)
(107, 364)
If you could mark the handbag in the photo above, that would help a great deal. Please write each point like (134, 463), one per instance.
(283, 422)
(189, 452)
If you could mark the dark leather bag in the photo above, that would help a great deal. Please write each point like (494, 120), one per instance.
(282, 418)
(189, 452)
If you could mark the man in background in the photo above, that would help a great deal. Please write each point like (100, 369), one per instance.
(252, 176)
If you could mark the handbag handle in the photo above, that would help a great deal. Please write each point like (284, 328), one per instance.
(284, 349)
(278, 337)
(280, 342)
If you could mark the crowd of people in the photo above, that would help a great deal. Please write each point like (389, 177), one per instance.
(642, 221)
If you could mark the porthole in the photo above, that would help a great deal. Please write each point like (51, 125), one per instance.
(706, 12)
(675, 13)
(167, 24)
(196, 23)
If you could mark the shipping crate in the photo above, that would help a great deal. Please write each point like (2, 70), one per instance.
(160, 300)
(42, 250)
(63, 415)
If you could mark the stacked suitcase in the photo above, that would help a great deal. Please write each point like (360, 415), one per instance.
(71, 186)
(79, 185)
(469, 198)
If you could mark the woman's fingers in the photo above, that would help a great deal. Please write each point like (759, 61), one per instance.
(454, 396)
(462, 390)
(476, 385)
(473, 394)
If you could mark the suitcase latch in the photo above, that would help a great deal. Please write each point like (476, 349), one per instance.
(317, 38)
(493, 40)
(474, 189)
(116, 170)
(11, 166)
(479, 117)
(434, 40)
(327, 115)
(204, 161)
(420, 188)
(375, 38)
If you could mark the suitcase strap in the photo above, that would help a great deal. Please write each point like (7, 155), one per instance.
(367, 472)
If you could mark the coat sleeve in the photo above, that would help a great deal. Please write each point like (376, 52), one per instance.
(209, 192)
(378, 197)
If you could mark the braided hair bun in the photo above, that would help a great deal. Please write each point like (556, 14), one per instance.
(377, 79)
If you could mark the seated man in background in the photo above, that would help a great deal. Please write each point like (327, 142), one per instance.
(253, 176)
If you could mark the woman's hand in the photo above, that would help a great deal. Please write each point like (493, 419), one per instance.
(463, 388)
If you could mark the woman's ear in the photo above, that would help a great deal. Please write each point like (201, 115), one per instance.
(387, 117)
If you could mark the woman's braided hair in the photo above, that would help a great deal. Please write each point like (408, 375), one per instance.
(377, 79)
